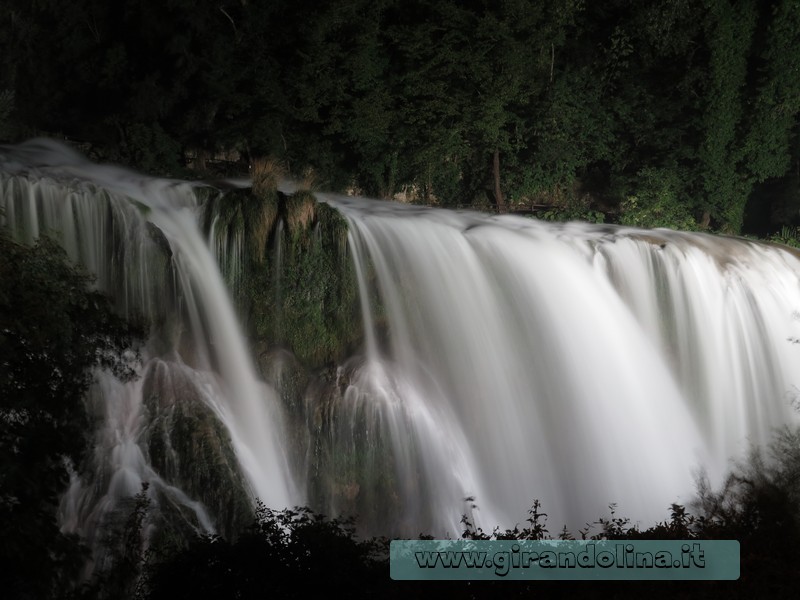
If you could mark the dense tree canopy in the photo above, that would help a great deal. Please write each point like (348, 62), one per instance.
(642, 108)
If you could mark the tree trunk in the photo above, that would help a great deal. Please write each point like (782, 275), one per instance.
(201, 161)
(498, 193)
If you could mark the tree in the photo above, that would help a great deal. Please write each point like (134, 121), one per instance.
(507, 64)
(773, 110)
(53, 331)
(730, 37)
(751, 102)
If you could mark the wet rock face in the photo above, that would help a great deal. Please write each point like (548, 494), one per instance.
(190, 448)
(281, 369)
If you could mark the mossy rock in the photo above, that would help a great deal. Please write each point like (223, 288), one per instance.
(350, 462)
(190, 448)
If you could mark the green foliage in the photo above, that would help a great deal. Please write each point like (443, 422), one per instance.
(53, 331)
(419, 95)
(319, 312)
(569, 204)
(571, 135)
(730, 36)
(788, 236)
(288, 264)
(751, 102)
(658, 202)
(307, 301)
(580, 213)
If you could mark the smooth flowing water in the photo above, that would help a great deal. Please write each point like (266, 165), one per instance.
(576, 364)
(506, 359)
(140, 237)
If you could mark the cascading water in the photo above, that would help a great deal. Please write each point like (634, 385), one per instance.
(140, 237)
(503, 359)
(574, 364)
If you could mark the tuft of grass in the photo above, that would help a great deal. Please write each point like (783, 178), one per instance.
(261, 215)
(309, 180)
(266, 172)
(300, 212)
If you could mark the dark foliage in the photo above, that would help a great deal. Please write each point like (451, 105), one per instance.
(294, 553)
(53, 331)
(286, 554)
(657, 113)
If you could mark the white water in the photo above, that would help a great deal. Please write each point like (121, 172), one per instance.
(574, 364)
(105, 217)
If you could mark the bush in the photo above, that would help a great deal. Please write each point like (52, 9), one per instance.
(658, 202)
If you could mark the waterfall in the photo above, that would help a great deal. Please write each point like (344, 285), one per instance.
(576, 364)
(141, 239)
(503, 360)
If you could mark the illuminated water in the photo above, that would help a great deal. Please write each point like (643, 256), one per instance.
(509, 359)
